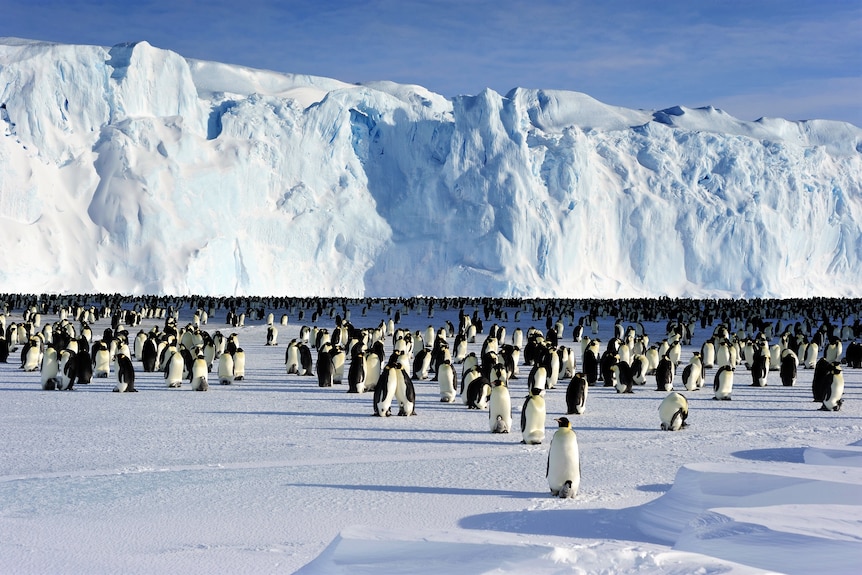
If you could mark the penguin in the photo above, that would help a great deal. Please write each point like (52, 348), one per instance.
(622, 377)
(372, 371)
(723, 382)
(692, 374)
(125, 374)
(673, 411)
(477, 393)
(788, 369)
(174, 370)
(500, 408)
(590, 366)
(198, 373)
(384, 391)
(271, 334)
(821, 381)
(533, 414)
(291, 358)
(833, 400)
(639, 365)
(446, 379)
(148, 355)
(576, 395)
(422, 364)
(83, 366)
(337, 357)
(664, 374)
(759, 369)
(49, 368)
(226, 369)
(31, 355)
(305, 361)
(68, 370)
(563, 471)
(324, 368)
(239, 364)
(707, 352)
(405, 393)
(356, 374)
(101, 360)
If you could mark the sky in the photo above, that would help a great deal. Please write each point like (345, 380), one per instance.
(794, 59)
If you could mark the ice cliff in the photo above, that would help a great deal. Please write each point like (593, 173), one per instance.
(132, 169)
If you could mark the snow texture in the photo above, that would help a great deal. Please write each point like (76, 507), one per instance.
(132, 169)
(276, 474)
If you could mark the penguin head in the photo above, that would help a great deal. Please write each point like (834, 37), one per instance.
(564, 422)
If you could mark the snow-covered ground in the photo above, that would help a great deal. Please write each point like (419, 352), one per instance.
(275, 474)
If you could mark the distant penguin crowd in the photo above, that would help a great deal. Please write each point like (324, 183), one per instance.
(475, 364)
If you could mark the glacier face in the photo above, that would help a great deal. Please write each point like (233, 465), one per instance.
(131, 169)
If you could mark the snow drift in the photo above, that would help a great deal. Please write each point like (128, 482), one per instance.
(131, 169)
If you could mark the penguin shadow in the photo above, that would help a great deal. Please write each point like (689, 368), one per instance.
(419, 489)
(778, 454)
(579, 523)
(287, 413)
(655, 487)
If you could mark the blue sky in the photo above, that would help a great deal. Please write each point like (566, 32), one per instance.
(796, 59)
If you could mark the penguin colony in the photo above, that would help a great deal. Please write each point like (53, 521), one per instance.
(387, 361)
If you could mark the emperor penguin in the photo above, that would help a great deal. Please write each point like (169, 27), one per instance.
(101, 360)
(723, 382)
(834, 400)
(533, 415)
(291, 358)
(271, 334)
(478, 392)
(324, 368)
(31, 355)
(405, 393)
(500, 407)
(759, 369)
(707, 352)
(821, 381)
(239, 364)
(384, 391)
(446, 379)
(664, 374)
(84, 366)
(356, 374)
(622, 377)
(199, 371)
(174, 370)
(692, 374)
(125, 374)
(576, 395)
(49, 369)
(640, 364)
(68, 369)
(226, 369)
(673, 411)
(564, 466)
(789, 366)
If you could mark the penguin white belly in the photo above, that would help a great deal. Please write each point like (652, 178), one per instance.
(564, 461)
(500, 409)
(534, 420)
(673, 411)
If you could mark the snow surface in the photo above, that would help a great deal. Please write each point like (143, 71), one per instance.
(132, 169)
(276, 475)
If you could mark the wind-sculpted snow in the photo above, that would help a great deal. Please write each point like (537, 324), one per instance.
(131, 169)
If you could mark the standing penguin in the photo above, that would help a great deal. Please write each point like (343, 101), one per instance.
(723, 382)
(225, 369)
(759, 369)
(384, 391)
(664, 374)
(564, 465)
(833, 400)
(174, 370)
(500, 408)
(822, 378)
(446, 379)
(356, 374)
(789, 366)
(198, 373)
(101, 360)
(125, 374)
(673, 412)
(533, 417)
(239, 364)
(622, 377)
(576, 395)
(405, 393)
(478, 392)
